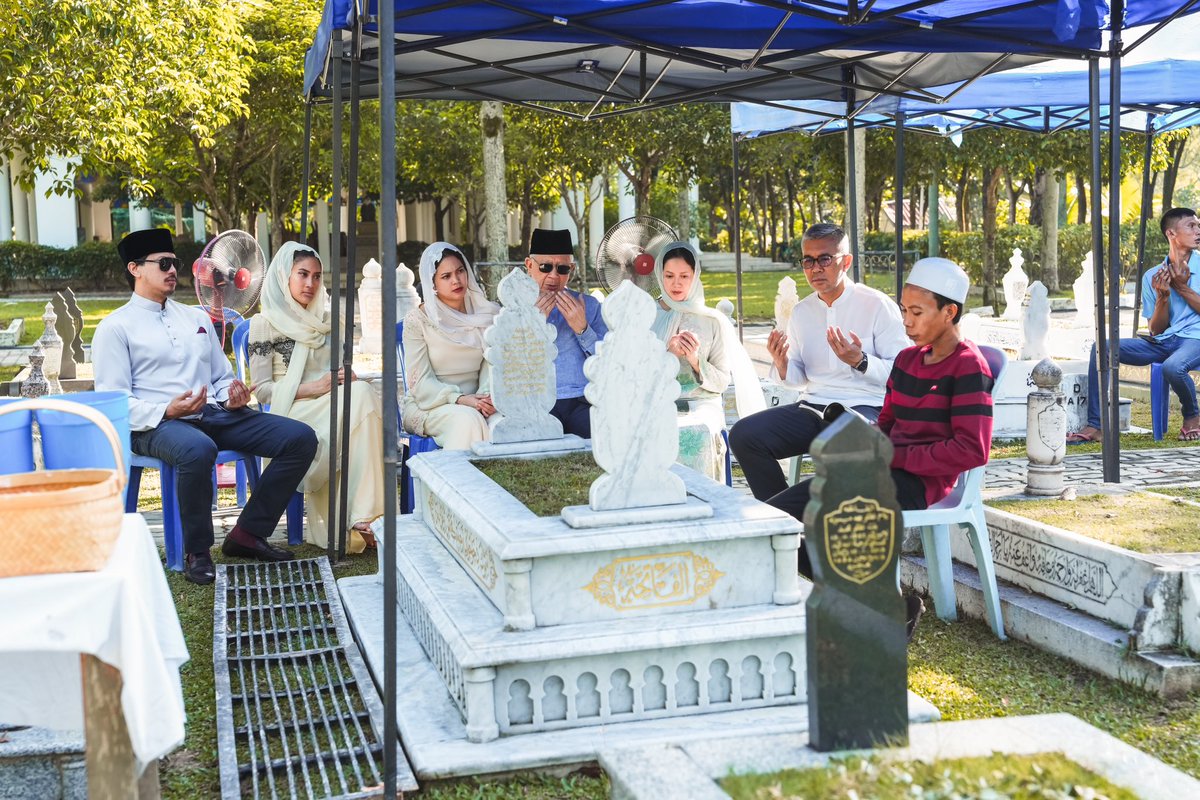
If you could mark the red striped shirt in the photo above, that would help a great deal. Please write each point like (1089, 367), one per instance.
(939, 416)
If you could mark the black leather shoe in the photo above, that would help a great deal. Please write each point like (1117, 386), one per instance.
(198, 568)
(914, 608)
(242, 545)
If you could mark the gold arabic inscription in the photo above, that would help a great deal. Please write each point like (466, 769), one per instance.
(668, 579)
(477, 555)
(860, 539)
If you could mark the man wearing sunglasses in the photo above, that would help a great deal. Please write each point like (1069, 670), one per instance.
(185, 405)
(575, 317)
(838, 349)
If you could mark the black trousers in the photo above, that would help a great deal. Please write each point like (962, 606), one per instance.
(760, 440)
(910, 494)
(575, 414)
(191, 447)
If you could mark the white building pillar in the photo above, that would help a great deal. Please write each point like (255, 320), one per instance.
(626, 202)
(31, 204)
(6, 217)
(199, 223)
(139, 216)
(55, 217)
(20, 211)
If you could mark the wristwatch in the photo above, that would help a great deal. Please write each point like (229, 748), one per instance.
(861, 366)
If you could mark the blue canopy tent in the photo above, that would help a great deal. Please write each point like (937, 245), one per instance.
(623, 56)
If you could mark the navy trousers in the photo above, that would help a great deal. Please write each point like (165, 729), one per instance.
(191, 447)
(575, 414)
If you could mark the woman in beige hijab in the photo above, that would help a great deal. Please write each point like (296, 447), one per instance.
(289, 369)
(446, 395)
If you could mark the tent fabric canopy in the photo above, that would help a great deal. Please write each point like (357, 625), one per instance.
(648, 53)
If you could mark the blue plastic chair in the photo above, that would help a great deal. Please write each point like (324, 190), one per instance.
(241, 360)
(415, 444)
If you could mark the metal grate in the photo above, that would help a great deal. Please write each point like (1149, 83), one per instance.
(297, 714)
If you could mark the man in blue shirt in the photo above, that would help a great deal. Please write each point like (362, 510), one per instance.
(185, 405)
(575, 317)
(1171, 306)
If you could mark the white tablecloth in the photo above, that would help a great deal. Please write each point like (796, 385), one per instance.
(123, 615)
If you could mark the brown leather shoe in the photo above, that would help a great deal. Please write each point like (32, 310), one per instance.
(240, 544)
(198, 568)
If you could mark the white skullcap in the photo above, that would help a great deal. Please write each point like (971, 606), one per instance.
(941, 276)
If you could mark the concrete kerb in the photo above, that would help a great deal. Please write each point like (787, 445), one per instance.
(691, 770)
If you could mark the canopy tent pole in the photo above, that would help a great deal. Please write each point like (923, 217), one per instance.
(344, 521)
(335, 228)
(899, 205)
(1102, 387)
(851, 177)
(1147, 203)
(307, 170)
(736, 231)
(387, 258)
(934, 247)
(1112, 455)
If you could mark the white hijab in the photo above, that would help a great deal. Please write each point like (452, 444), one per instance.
(464, 327)
(746, 388)
(307, 326)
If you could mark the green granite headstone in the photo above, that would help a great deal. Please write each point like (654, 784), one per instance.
(857, 650)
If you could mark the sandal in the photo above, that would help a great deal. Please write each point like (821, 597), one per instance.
(367, 535)
(1189, 434)
(1082, 438)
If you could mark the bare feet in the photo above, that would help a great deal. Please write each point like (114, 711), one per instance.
(1084, 435)
(1190, 431)
(364, 530)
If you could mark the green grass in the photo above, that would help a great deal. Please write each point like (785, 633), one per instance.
(1139, 417)
(1191, 493)
(31, 310)
(759, 289)
(544, 485)
(1141, 521)
(1049, 776)
(8, 373)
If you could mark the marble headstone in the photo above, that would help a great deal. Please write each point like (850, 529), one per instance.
(1035, 324)
(76, 314)
(66, 330)
(971, 326)
(856, 643)
(1085, 295)
(1046, 431)
(521, 351)
(1015, 282)
(406, 294)
(726, 307)
(370, 308)
(632, 389)
(35, 384)
(52, 348)
(598, 294)
(785, 300)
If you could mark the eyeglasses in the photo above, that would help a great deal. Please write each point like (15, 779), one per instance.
(823, 261)
(166, 264)
(561, 269)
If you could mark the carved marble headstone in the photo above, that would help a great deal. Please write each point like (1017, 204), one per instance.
(1085, 295)
(971, 326)
(1035, 324)
(370, 308)
(52, 347)
(66, 330)
(726, 307)
(1015, 282)
(76, 314)
(36, 384)
(785, 300)
(406, 294)
(598, 294)
(632, 389)
(856, 643)
(521, 351)
(1046, 431)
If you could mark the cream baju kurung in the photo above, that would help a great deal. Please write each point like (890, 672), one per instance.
(270, 355)
(438, 371)
(701, 403)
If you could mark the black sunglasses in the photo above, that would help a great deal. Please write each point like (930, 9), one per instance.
(562, 269)
(166, 264)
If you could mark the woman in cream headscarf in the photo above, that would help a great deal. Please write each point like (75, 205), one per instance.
(446, 395)
(289, 369)
(709, 357)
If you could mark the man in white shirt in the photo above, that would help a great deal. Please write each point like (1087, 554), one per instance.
(185, 405)
(839, 347)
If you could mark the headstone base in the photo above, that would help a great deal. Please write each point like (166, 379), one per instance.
(1044, 481)
(585, 517)
(568, 443)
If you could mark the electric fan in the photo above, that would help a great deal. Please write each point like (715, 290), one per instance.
(627, 251)
(228, 276)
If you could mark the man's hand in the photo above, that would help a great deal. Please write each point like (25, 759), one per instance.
(187, 404)
(546, 302)
(239, 396)
(1161, 281)
(1180, 276)
(848, 350)
(573, 311)
(777, 346)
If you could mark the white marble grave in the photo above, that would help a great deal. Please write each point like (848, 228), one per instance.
(1046, 425)
(785, 300)
(69, 334)
(521, 351)
(632, 389)
(1084, 288)
(370, 308)
(407, 297)
(76, 314)
(52, 349)
(1015, 283)
(1035, 324)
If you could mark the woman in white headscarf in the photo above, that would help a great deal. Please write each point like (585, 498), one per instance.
(709, 354)
(289, 370)
(446, 395)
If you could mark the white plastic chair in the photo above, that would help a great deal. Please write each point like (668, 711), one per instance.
(964, 507)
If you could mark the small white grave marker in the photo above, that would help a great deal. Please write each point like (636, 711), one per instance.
(1015, 284)
(785, 300)
(1035, 324)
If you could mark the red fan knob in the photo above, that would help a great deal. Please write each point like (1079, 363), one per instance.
(241, 279)
(643, 264)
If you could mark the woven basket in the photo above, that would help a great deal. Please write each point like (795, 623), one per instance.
(61, 520)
